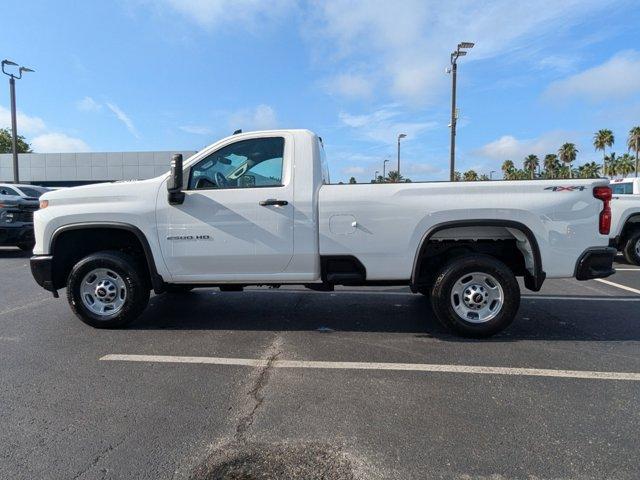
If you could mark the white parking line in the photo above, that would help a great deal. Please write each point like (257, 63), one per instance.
(409, 294)
(406, 367)
(613, 284)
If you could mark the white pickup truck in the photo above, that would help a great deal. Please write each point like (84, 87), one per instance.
(257, 209)
(625, 218)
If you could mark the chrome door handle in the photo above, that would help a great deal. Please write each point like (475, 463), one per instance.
(273, 202)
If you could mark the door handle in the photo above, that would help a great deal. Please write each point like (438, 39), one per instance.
(273, 202)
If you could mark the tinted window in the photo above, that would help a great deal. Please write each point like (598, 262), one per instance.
(245, 164)
(8, 191)
(622, 188)
(32, 192)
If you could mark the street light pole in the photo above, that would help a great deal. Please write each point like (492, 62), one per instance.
(14, 126)
(384, 168)
(454, 117)
(402, 135)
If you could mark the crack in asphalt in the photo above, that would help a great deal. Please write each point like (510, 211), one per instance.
(262, 379)
(97, 458)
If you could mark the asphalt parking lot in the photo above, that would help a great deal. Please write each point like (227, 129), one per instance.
(267, 381)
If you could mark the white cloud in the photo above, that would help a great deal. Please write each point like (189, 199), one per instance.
(196, 129)
(124, 118)
(618, 77)
(27, 124)
(263, 117)
(420, 168)
(88, 104)
(408, 44)
(350, 85)
(384, 125)
(251, 13)
(509, 147)
(58, 143)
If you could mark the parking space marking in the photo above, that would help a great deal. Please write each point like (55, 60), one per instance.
(406, 367)
(613, 284)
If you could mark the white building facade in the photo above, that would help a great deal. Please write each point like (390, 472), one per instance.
(68, 169)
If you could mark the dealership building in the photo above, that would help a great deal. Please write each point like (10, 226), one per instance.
(70, 169)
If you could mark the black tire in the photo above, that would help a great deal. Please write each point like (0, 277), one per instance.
(26, 247)
(136, 296)
(443, 303)
(629, 250)
(178, 289)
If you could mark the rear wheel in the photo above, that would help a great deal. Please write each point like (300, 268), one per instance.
(475, 295)
(107, 290)
(631, 249)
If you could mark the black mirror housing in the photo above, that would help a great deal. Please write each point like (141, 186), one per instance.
(174, 183)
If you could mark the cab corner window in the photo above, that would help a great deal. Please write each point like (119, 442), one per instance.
(244, 164)
(622, 188)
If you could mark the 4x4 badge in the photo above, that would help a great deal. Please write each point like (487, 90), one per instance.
(566, 189)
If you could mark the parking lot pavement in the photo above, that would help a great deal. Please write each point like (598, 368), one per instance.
(68, 414)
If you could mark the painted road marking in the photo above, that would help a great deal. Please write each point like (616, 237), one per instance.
(580, 298)
(405, 367)
(613, 284)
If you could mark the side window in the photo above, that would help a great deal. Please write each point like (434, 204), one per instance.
(244, 164)
(622, 188)
(8, 191)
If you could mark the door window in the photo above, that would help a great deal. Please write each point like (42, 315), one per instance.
(8, 191)
(244, 164)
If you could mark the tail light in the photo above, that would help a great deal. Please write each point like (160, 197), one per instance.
(604, 194)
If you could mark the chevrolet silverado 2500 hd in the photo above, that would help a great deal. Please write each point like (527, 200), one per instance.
(625, 218)
(257, 209)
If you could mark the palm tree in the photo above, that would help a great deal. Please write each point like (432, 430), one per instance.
(589, 170)
(633, 142)
(567, 154)
(551, 165)
(394, 177)
(601, 140)
(457, 176)
(531, 162)
(470, 176)
(507, 168)
(612, 165)
(626, 165)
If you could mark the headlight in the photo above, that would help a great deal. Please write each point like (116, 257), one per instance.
(44, 204)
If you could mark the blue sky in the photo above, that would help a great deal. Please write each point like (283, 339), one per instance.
(180, 74)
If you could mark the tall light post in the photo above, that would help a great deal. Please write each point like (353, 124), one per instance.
(14, 127)
(384, 168)
(460, 52)
(402, 135)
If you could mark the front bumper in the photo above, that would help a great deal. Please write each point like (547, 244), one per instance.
(595, 262)
(42, 271)
(16, 234)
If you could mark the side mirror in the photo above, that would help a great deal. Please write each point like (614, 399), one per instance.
(174, 184)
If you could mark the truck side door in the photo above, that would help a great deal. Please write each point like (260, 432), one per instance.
(237, 216)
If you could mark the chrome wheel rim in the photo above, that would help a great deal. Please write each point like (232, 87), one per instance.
(477, 297)
(103, 292)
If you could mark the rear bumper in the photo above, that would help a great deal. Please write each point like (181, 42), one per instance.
(42, 271)
(14, 235)
(595, 262)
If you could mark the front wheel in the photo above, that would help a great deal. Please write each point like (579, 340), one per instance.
(631, 249)
(107, 290)
(475, 295)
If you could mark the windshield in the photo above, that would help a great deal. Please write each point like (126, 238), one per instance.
(33, 192)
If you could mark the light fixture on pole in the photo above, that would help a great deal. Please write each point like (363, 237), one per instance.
(384, 168)
(454, 115)
(402, 135)
(14, 127)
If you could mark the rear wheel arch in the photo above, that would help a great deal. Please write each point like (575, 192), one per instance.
(525, 240)
(72, 242)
